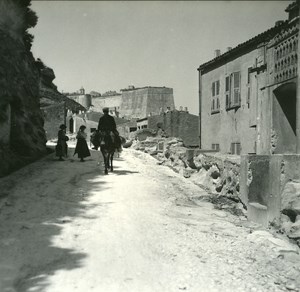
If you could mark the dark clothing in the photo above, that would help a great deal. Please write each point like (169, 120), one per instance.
(82, 148)
(62, 146)
(107, 123)
(95, 139)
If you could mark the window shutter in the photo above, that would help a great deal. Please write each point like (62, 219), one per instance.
(227, 83)
(238, 148)
(236, 88)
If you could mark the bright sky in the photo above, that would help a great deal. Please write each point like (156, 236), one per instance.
(103, 45)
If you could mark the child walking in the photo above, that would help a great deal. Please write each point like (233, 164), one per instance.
(81, 146)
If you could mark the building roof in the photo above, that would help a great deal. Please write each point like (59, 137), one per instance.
(262, 37)
(137, 88)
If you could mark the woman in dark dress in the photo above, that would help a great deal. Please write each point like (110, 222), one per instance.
(81, 146)
(62, 146)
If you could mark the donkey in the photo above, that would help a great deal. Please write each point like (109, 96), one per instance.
(108, 146)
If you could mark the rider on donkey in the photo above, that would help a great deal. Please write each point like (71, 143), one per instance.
(107, 124)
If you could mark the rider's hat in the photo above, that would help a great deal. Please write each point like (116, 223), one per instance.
(62, 126)
(105, 109)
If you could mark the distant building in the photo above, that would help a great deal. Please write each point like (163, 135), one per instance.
(180, 124)
(81, 97)
(110, 99)
(142, 123)
(142, 102)
(247, 95)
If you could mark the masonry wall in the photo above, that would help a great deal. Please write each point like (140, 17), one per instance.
(237, 125)
(53, 117)
(178, 124)
(140, 103)
(280, 94)
(111, 102)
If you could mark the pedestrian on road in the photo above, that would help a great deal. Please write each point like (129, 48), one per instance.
(62, 146)
(81, 146)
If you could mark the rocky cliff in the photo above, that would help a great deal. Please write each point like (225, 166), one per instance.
(49, 95)
(21, 123)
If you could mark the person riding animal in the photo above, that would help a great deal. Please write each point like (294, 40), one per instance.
(110, 140)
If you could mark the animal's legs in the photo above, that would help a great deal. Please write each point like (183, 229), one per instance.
(111, 161)
(105, 158)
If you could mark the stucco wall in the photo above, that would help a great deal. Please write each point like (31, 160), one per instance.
(234, 125)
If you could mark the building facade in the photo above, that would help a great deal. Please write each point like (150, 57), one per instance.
(180, 124)
(247, 96)
(110, 99)
(81, 97)
(138, 103)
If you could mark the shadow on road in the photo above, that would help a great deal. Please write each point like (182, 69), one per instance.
(124, 172)
(44, 200)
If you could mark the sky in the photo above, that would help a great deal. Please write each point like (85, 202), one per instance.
(109, 45)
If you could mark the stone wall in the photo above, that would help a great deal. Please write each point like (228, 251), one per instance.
(270, 187)
(112, 102)
(141, 102)
(19, 83)
(54, 116)
(217, 173)
(178, 124)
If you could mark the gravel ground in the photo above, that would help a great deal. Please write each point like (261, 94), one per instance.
(65, 226)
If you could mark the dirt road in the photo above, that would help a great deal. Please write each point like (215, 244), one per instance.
(67, 227)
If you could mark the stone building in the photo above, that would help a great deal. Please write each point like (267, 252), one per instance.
(110, 99)
(81, 97)
(249, 103)
(141, 102)
(235, 100)
(180, 124)
(131, 103)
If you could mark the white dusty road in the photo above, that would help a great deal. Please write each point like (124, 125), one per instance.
(67, 227)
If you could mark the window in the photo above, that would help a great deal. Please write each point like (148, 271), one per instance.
(233, 90)
(215, 147)
(215, 93)
(132, 129)
(249, 86)
(235, 148)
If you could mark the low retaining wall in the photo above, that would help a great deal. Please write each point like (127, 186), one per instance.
(270, 187)
(217, 173)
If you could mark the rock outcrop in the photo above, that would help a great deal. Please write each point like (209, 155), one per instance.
(21, 117)
(49, 95)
